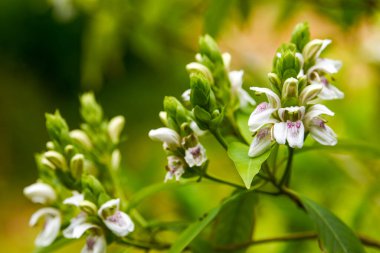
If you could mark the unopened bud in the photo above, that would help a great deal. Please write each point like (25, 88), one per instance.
(310, 92)
(290, 88)
(301, 35)
(115, 159)
(209, 47)
(69, 149)
(115, 127)
(88, 207)
(76, 165)
(313, 49)
(47, 163)
(226, 60)
(199, 68)
(163, 117)
(275, 81)
(81, 137)
(57, 159)
(90, 109)
(200, 91)
(50, 145)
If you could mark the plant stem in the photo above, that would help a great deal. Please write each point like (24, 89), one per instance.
(285, 180)
(219, 138)
(222, 181)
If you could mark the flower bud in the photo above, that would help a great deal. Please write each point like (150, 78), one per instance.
(163, 117)
(115, 127)
(314, 48)
(290, 88)
(88, 207)
(115, 159)
(310, 92)
(202, 116)
(287, 65)
(57, 127)
(81, 137)
(56, 159)
(76, 165)
(200, 91)
(208, 47)
(199, 68)
(226, 60)
(274, 81)
(301, 35)
(50, 145)
(47, 163)
(40, 193)
(90, 109)
(69, 149)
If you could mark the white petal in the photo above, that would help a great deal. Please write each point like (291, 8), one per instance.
(76, 221)
(75, 200)
(110, 204)
(261, 116)
(169, 176)
(115, 127)
(40, 193)
(81, 137)
(330, 92)
(245, 99)
(196, 129)
(195, 156)
(300, 110)
(280, 132)
(119, 223)
(51, 226)
(273, 99)
(322, 133)
(317, 110)
(310, 92)
(186, 95)
(83, 227)
(95, 244)
(295, 134)
(226, 60)
(326, 66)
(236, 79)
(325, 43)
(261, 142)
(166, 135)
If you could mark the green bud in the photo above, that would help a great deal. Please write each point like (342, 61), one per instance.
(201, 69)
(115, 159)
(56, 159)
(301, 35)
(45, 162)
(313, 49)
(76, 165)
(91, 111)
(80, 137)
(200, 91)
(50, 145)
(163, 117)
(302, 82)
(93, 185)
(290, 88)
(175, 110)
(202, 117)
(210, 48)
(189, 141)
(57, 128)
(274, 81)
(286, 62)
(88, 207)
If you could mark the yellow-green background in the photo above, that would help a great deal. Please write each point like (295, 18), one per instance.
(134, 52)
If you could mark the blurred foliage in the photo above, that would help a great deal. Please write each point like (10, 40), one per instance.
(134, 52)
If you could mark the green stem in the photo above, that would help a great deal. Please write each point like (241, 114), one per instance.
(285, 180)
(222, 181)
(219, 138)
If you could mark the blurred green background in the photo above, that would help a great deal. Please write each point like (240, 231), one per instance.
(134, 52)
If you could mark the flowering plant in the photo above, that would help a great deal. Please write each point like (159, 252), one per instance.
(79, 174)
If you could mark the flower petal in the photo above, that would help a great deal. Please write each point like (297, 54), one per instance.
(119, 223)
(75, 222)
(95, 244)
(310, 92)
(327, 66)
(83, 227)
(236, 79)
(261, 116)
(261, 142)
(51, 226)
(40, 193)
(74, 200)
(245, 99)
(273, 99)
(280, 132)
(317, 110)
(322, 133)
(330, 92)
(195, 156)
(295, 133)
(166, 135)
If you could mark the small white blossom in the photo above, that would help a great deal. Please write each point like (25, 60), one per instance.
(74, 223)
(95, 242)
(195, 156)
(40, 193)
(170, 138)
(50, 228)
(115, 220)
(74, 200)
(236, 80)
(175, 168)
(261, 142)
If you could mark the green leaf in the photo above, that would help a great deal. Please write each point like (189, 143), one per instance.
(235, 222)
(334, 235)
(192, 231)
(241, 120)
(246, 166)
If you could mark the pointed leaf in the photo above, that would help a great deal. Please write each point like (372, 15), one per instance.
(246, 166)
(334, 235)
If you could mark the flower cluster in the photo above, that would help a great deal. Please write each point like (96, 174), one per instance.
(75, 201)
(300, 81)
(208, 106)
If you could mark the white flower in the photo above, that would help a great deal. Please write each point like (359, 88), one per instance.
(317, 127)
(262, 114)
(115, 127)
(175, 168)
(195, 156)
(51, 225)
(236, 80)
(40, 193)
(74, 200)
(186, 96)
(115, 220)
(95, 242)
(169, 137)
(261, 142)
(74, 223)
(329, 91)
